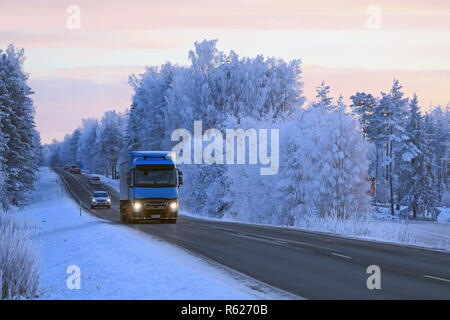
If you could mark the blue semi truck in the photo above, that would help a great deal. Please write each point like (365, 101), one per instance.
(149, 183)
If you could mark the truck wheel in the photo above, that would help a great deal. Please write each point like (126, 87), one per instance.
(109, 207)
(92, 207)
(123, 218)
(172, 221)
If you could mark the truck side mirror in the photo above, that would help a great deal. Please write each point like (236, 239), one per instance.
(180, 177)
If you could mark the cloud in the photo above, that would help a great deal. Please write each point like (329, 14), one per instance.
(430, 86)
(214, 14)
(62, 103)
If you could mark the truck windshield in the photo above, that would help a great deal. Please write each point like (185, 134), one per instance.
(148, 177)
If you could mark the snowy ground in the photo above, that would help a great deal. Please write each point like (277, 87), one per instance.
(117, 262)
(444, 216)
(424, 233)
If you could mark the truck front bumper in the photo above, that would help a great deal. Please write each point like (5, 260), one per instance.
(153, 216)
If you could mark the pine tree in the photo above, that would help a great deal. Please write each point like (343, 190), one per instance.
(391, 114)
(17, 126)
(322, 94)
(364, 105)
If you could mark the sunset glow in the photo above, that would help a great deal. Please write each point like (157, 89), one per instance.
(84, 72)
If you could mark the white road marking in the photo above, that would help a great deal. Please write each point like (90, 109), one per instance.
(340, 255)
(436, 278)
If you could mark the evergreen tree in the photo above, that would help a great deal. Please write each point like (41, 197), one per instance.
(322, 94)
(391, 114)
(17, 129)
(110, 141)
(364, 105)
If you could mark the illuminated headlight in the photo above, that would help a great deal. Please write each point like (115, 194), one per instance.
(173, 205)
(137, 206)
(109, 200)
(94, 201)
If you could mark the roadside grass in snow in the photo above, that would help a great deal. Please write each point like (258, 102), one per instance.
(19, 275)
(365, 228)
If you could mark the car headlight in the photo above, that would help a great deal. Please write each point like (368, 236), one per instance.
(137, 206)
(173, 205)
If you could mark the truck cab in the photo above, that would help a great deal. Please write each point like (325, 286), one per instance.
(149, 183)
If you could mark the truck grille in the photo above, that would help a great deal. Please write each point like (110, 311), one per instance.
(155, 204)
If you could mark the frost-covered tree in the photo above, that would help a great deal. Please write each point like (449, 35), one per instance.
(216, 88)
(326, 174)
(110, 141)
(439, 119)
(38, 149)
(251, 196)
(391, 117)
(363, 105)
(148, 115)
(87, 147)
(322, 95)
(73, 155)
(18, 155)
(417, 173)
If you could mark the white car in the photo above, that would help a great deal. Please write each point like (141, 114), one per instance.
(100, 199)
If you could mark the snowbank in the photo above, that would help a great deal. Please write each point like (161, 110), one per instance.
(117, 262)
(381, 226)
(444, 216)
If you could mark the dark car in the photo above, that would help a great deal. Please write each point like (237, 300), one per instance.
(94, 180)
(75, 169)
(100, 199)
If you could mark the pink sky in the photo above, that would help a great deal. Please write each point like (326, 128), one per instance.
(82, 73)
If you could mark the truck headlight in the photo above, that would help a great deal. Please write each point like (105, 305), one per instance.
(94, 201)
(137, 206)
(173, 205)
(109, 200)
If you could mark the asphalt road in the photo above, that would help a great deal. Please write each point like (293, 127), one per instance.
(308, 264)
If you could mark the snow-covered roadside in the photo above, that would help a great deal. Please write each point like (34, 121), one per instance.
(444, 216)
(117, 262)
(434, 235)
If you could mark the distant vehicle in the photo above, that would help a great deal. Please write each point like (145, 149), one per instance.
(100, 199)
(75, 170)
(66, 168)
(149, 183)
(94, 180)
